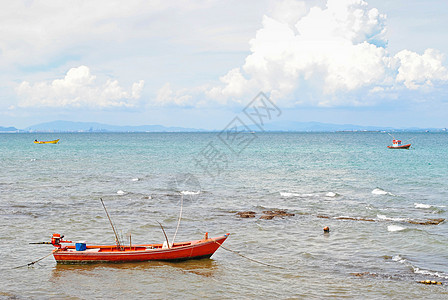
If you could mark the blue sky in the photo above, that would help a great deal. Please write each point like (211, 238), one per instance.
(198, 63)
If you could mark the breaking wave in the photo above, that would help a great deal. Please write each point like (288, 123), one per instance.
(383, 217)
(287, 195)
(393, 228)
(418, 270)
(379, 191)
(190, 193)
(331, 194)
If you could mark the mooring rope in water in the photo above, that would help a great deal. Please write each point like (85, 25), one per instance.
(251, 259)
(36, 261)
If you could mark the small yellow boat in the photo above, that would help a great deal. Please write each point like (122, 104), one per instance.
(46, 142)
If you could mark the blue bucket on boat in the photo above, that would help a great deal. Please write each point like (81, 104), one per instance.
(80, 246)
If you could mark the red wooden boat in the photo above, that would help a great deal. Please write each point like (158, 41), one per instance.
(80, 253)
(396, 144)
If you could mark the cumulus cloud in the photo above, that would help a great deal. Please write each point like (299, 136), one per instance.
(166, 96)
(326, 56)
(79, 88)
(418, 71)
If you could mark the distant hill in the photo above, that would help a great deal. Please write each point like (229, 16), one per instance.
(67, 126)
(8, 129)
(328, 127)
(284, 126)
(317, 126)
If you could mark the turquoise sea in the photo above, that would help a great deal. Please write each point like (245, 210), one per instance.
(372, 198)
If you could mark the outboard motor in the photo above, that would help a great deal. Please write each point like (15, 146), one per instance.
(56, 240)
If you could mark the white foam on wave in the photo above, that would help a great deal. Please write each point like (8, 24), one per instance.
(418, 270)
(135, 179)
(190, 193)
(379, 191)
(287, 194)
(421, 205)
(429, 273)
(331, 194)
(383, 217)
(393, 228)
(120, 192)
(399, 259)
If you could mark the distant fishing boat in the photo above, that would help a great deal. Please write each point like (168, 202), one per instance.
(80, 253)
(396, 144)
(46, 142)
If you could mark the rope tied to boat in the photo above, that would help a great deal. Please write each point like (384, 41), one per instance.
(248, 258)
(37, 260)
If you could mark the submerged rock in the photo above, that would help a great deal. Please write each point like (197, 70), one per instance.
(270, 214)
(364, 274)
(246, 214)
(418, 222)
(427, 222)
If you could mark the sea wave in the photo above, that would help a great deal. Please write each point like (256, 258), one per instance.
(331, 194)
(421, 205)
(417, 270)
(378, 191)
(190, 193)
(393, 228)
(429, 272)
(383, 217)
(287, 195)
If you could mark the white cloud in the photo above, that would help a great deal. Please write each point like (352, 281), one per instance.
(39, 32)
(326, 56)
(418, 71)
(166, 96)
(79, 88)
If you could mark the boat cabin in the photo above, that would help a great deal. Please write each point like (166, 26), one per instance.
(396, 142)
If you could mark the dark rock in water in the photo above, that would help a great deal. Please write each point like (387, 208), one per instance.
(270, 214)
(418, 222)
(278, 213)
(323, 217)
(347, 218)
(364, 274)
(355, 219)
(246, 214)
(427, 222)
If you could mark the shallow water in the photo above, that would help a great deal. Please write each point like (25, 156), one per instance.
(142, 178)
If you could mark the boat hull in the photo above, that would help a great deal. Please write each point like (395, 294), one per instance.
(46, 142)
(101, 254)
(400, 147)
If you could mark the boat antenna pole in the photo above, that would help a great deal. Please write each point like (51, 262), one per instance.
(180, 215)
(391, 135)
(111, 224)
(164, 234)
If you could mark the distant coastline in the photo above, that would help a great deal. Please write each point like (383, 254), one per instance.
(85, 127)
